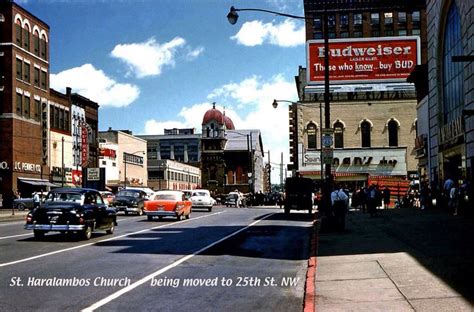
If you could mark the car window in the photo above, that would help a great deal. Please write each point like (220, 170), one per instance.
(64, 197)
(165, 197)
(200, 194)
(99, 200)
(128, 193)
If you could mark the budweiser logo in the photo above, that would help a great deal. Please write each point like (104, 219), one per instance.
(371, 51)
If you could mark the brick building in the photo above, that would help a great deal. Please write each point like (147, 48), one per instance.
(373, 120)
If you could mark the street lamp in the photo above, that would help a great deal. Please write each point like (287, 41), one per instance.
(125, 166)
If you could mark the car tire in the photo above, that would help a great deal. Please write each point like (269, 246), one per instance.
(38, 234)
(126, 212)
(87, 233)
(149, 218)
(188, 216)
(21, 207)
(111, 228)
(209, 209)
(179, 217)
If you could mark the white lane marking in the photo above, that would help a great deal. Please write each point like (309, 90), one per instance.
(104, 240)
(123, 291)
(19, 235)
(11, 223)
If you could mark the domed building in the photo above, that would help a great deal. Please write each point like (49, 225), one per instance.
(226, 155)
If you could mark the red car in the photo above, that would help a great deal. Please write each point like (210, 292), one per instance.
(168, 204)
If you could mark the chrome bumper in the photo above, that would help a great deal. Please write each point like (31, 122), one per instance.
(55, 227)
(161, 213)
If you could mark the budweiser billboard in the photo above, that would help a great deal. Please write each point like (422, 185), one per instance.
(363, 60)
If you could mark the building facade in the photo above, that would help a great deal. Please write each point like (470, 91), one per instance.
(130, 158)
(372, 112)
(450, 128)
(167, 174)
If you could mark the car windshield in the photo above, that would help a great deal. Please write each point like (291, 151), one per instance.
(232, 196)
(200, 194)
(64, 197)
(128, 193)
(165, 197)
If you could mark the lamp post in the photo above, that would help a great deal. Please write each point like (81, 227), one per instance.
(125, 166)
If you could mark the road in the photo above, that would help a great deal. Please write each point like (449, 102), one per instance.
(248, 259)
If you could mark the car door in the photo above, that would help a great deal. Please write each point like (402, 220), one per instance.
(103, 217)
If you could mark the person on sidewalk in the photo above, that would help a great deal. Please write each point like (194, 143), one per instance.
(454, 199)
(36, 200)
(339, 203)
(386, 197)
(373, 199)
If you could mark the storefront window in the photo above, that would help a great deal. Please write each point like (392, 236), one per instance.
(453, 89)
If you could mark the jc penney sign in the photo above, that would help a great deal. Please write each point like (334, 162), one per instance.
(363, 60)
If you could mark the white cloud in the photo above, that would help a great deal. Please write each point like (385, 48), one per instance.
(249, 105)
(96, 85)
(285, 34)
(150, 57)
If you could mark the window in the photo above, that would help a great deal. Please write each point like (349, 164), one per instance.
(19, 100)
(318, 23)
(27, 107)
(365, 133)
(36, 77)
(338, 135)
(18, 33)
(402, 18)
(66, 120)
(375, 20)
(331, 21)
(61, 119)
(26, 72)
(43, 80)
(453, 84)
(388, 18)
(402, 32)
(37, 109)
(44, 46)
(312, 136)
(19, 69)
(36, 44)
(357, 34)
(56, 117)
(26, 39)
(388, 32)
(358, 19)
(344, 20)
(344, 34)
(392, 133)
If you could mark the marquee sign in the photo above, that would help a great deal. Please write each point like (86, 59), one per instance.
(363, 60)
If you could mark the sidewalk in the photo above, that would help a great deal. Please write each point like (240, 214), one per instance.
(6, 215)
(402, 260)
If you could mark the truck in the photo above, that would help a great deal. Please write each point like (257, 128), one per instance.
(298, 194)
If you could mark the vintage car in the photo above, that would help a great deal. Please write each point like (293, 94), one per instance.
(129, 200)
(107, 196)
(72, 210)
(27, 202)
(168, 204)
(234, 199)
(202, 199)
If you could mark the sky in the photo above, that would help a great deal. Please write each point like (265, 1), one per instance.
(156, 64)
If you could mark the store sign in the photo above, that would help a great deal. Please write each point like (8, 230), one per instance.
(452, 131)
(362, 60)
(44, 132)
(107, 152)
(4, 165)
(26, 167)
(84, 146)
(93, 174)
(311, 159)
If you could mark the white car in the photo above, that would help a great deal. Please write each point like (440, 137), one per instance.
(202, 199)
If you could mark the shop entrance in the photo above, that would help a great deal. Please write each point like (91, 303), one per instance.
(453, 167)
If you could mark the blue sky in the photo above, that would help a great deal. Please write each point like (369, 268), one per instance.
(155, 64)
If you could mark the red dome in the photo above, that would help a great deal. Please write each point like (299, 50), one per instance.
(213, 114)
(229, 124)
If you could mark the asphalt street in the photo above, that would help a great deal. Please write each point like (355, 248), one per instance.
(229, 259)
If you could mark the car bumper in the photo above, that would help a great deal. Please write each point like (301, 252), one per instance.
(125, 208)
(55, 227)
(196, 205)
(161, 213)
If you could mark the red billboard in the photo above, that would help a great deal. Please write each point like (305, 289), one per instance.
(363, 60)
(84, 146)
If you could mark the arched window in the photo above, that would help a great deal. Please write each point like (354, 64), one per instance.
(365, 133)
(36, 43)
(338, 135)
(453, 88)
(392, 133)
(312, 132)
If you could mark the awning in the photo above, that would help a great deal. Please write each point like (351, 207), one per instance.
(37, 182)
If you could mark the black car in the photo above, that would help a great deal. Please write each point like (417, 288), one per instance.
(72, 210)
(129, 200)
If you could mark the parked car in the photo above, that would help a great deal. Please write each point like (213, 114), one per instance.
(168, 204)
(107, 196)
(234, 199)
(299, 194)
(27, 202)
(129, 200)
(202, 199)
(77, 210)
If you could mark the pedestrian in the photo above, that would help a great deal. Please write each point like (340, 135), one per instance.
(386, 197)
(372, 200)
(36, 200)
(339, 202)
(454, 199)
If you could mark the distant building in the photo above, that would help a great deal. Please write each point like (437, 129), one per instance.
(130, 158)
(230, 159)
(166, 174)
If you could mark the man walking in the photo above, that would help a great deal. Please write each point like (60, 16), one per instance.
(339, 202)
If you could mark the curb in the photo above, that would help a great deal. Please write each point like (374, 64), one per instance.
(310, 289)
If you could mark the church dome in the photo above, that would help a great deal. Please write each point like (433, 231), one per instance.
(229, 124)
(213, 114)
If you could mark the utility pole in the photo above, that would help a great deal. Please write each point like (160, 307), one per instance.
(281, 170)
